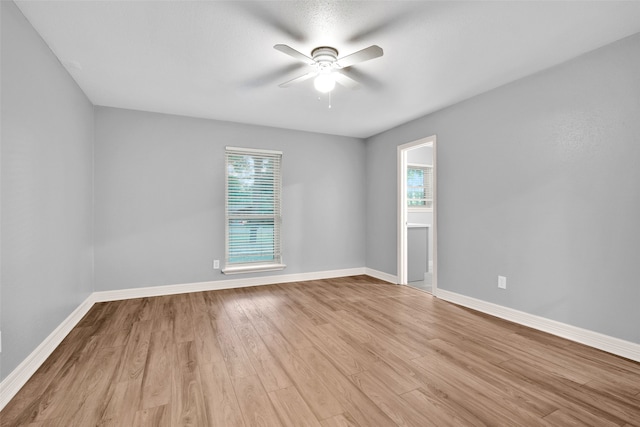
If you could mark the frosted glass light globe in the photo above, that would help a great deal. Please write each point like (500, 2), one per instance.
(324, 83)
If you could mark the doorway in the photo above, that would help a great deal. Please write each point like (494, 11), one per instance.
(417, 214)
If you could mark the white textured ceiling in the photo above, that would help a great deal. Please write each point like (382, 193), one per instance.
(215, 59)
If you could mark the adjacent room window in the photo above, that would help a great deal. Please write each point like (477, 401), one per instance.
(253, 210)
(420, 187)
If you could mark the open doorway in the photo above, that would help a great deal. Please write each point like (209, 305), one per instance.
(417, 249)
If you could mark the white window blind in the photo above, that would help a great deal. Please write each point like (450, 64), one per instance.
(253, 210)
(420, 186)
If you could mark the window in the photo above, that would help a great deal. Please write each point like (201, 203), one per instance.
(253, 210)
(420, 186)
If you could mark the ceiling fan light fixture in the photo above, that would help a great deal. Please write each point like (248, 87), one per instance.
(325, 82)
(324, 60)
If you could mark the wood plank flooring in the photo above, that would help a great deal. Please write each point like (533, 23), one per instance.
(342, 352)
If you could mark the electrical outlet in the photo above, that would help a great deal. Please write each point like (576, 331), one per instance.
(502, 282)
(216, 264)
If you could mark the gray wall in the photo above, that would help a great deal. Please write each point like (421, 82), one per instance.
(47, 151)
(538, 181)
(159, 198)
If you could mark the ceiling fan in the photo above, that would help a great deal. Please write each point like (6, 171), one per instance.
(327, 68)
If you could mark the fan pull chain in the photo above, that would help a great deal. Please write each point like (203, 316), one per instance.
(329, 95)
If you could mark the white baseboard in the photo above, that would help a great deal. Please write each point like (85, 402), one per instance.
(154, 291)
(21, 374)
(593, 339)
(381, 275)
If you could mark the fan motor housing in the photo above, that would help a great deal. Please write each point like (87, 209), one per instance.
(324, 55)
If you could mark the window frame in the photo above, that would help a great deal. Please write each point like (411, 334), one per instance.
(235, 267)
(424, 168)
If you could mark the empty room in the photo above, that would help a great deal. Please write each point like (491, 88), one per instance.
(320, 213)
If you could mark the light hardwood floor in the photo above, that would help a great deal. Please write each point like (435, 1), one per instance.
(342, 352)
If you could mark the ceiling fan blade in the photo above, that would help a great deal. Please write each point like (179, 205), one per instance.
(365, 54)
(293, 53)
(272, 76)
(346, 81)
(364, 78)
(298, 79)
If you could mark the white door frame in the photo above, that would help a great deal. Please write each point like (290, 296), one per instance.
(402, 209)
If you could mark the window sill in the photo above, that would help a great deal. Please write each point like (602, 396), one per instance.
(239, 269)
